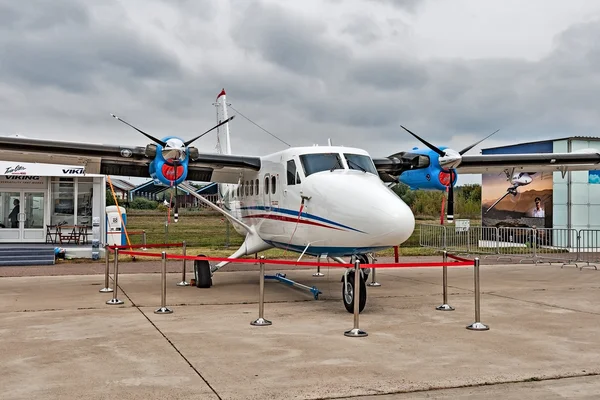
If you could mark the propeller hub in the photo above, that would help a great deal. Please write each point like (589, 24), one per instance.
(174, 150)
(450, 160)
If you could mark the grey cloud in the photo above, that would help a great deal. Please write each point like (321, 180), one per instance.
(78, 53)
(363, 30)
(289, 41)
(388, 74)
(408, 5)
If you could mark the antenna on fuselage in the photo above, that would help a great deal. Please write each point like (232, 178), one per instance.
(329, 143)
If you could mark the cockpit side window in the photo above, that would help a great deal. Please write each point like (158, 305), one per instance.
(360, 162)
(313, 163)
(291, 172)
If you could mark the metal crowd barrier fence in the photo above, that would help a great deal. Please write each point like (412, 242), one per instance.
(522, 244)
(261, 321)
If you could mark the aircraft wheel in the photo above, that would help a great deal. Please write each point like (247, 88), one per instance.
(348, 293)
(202, 273)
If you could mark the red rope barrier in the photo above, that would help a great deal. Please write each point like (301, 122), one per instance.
(300, 263)
(457, 258)
(147, 246)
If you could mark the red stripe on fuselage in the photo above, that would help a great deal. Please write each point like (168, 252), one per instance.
(290, 219)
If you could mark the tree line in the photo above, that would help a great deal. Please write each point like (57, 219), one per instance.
(428, 203)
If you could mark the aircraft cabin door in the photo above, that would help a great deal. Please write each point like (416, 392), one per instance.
(267, 192)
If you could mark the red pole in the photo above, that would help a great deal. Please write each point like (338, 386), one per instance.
(395, 254)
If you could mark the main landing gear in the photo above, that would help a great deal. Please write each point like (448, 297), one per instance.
(202, 273)
(348, 280)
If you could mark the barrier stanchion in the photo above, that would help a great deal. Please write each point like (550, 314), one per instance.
(396, 254)
(106, 288)
(318, 273)
(115, 299)
(477, 325)
(163, 290)
(261, 321)
(356, 331)
(445, 306)
(144, 239)
(183, 282)
(374, 282)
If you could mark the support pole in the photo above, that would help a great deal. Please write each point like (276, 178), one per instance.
(477, 325)
(356, 332)
(115, 300)
(445, 306)
(144, 239)
(163, 292)
(261, 321)
(373, 282)
(106, 288)
(396, 254)
(318, 273)
(183, 281)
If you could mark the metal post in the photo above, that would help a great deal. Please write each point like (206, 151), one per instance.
(144, 239)
(395, 254)
(106, 288)
(183, 282)
(477, 325)
(163, 292)
(445, 306)
(115, 300)
(166, 230)
(261, 321)
(356, 332)
(318, 273)
(373, 282)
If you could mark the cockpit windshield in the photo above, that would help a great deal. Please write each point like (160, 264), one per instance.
(360, 162)
(313, 163)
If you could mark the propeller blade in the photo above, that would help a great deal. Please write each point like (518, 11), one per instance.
(176, 212)
(155, 140)
(463, 151)
(497, 201)
(451, 198)
(214, 127)
(432, 147)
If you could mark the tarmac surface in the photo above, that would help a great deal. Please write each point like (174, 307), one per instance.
(60, 340)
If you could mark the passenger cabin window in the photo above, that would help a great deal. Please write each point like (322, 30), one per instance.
(313, 163)
(273, 185)
(251, 188)
(291, 172)
(246, 188)
(256, 187)
(266, 185)
(360, 162)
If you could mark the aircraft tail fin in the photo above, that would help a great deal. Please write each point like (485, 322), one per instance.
(223, 138)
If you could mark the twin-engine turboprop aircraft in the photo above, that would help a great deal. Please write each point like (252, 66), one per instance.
(329, 201)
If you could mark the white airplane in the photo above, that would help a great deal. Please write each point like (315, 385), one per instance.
(324, 201)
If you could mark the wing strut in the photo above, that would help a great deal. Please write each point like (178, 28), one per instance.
(191, 190)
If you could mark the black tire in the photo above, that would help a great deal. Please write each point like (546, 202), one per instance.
(363, 294)
(202, 273)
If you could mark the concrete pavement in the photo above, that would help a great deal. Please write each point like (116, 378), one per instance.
(60, 339)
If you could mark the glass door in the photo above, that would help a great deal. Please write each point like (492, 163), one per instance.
(33, 216)
(22, 216)
(10, 216)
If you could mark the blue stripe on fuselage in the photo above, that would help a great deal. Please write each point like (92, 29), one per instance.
(295, 213)
(330, 251)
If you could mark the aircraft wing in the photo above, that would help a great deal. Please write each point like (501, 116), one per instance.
(539, 162)
(121, 160)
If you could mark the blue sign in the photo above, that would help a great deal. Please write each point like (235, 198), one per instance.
(594, 177)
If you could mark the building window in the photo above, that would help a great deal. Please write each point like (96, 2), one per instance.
(63, 201)
(84, 201)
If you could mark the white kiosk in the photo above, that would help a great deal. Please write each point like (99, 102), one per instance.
(115, 231)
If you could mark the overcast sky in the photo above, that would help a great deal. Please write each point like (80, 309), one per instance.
(351, 70)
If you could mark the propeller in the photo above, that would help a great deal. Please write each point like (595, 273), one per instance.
(452, 160)
(174, 155)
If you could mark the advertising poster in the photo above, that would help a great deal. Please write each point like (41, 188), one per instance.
(522, 199)
(594, 177)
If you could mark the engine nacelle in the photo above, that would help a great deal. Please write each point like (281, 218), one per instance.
(431, 178)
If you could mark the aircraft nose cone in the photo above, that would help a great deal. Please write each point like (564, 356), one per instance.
(393, 220)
